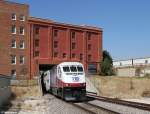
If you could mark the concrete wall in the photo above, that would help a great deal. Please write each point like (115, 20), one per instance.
(90, 87)
(126, 72)
(5, 91)
(132, 71)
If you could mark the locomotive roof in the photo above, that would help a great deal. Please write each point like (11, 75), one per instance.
(70, 63)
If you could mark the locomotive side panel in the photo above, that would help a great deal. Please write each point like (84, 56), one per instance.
(53, 81)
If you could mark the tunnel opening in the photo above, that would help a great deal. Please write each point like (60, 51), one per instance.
(45, 67)
(42, 69)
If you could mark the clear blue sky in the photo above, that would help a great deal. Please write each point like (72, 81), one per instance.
(125, 23)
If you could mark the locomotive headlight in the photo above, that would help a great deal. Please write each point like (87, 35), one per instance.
(67, 85)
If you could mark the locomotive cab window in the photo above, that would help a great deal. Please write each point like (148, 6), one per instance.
(80, 69)
(73, 68)
(66, 69)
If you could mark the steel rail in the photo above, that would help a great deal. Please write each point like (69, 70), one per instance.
(138, 105)
(99, 107)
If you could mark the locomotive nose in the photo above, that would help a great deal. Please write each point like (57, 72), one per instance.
(76, 94)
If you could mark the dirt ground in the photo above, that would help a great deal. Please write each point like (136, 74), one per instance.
(122, 87)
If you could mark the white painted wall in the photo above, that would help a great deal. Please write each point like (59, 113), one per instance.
(138, 61)
(126, 72)
(141, 61)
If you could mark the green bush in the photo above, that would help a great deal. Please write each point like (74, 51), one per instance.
(106, 65)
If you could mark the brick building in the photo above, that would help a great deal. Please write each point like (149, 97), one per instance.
(14, 40)
(29, 44)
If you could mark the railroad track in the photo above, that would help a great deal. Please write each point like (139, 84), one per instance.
(93, 109)
(138, 105)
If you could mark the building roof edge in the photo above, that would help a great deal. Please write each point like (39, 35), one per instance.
(66, 24)
(12, 2)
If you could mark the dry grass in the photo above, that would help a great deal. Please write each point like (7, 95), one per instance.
(122, 87)
(26, 92)
(21, 94)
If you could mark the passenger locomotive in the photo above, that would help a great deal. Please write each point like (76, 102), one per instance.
(67, 81)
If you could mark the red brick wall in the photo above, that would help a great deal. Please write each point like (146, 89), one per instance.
(79, 48)
(43, 35)
(64, 44)
(44, 53)
(6, 10)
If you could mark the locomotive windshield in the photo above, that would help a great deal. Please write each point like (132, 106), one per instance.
(80, 69)
(73, 68)
(66, 69)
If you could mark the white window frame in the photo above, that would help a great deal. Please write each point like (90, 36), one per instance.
(13, 42)
(21, 30)
(13, 58)
(22, 18)
(13, 18)
(14, 29)
(22, 59)
(21, 43)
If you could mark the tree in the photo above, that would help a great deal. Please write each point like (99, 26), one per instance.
(106, 65)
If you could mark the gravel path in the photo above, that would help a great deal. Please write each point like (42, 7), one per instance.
(48, 104)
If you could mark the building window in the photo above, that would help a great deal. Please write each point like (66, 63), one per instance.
(13, 59)
(13, 73)
(55, 54)
(13, 29)
(36, 43)
(13, 16)
(55, 33)
(37, 30)
(89, 57)
(64, 55)
(73, 45)
(36, 54)
(89, 46)
(13, 43)
(89, 36)
(73, 35)
(55, 44)
(22, 18)
(73, 55)
(21, 44)
(81, 56)
(21, 59)
(21, 30)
